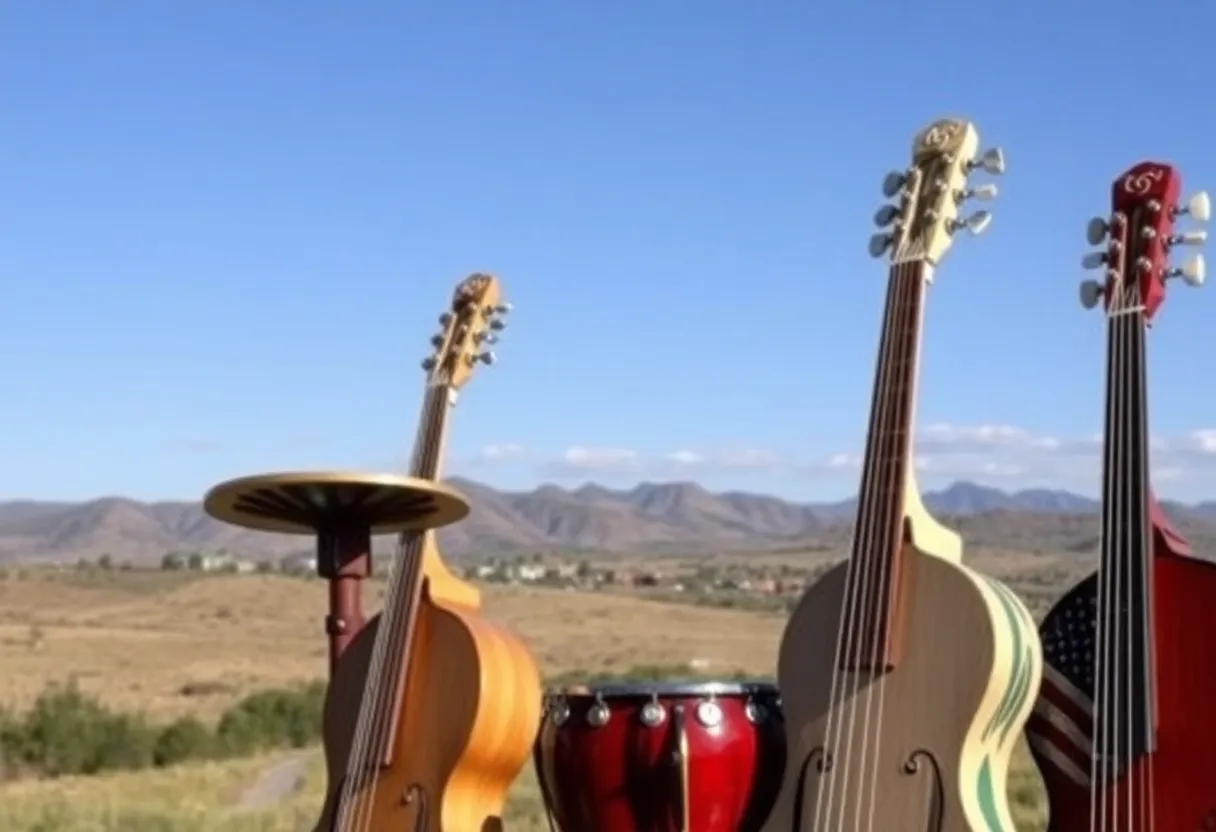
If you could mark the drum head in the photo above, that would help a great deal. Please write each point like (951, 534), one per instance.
(668, 688)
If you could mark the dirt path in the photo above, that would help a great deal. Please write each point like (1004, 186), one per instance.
(277, 783)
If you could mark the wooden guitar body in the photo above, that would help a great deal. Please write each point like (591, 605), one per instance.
(951, 712)
(1182, 769)
(471, 713)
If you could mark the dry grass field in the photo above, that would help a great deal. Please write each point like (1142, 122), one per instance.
(172, 643)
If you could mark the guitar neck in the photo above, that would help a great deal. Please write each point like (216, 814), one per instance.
(875, 575)
(1124, 653)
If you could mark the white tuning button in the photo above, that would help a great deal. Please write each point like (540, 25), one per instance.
(977, 223)
(991, 160)
(1192, 272)
(1095, 232)
(892, 183)
(1091, 292)
(879, 244)
(984, 192)
(885, 215)
(1198, 206)
(1094, 260)
(1189, 238)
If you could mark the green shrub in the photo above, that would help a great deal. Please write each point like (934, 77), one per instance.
(67, 732)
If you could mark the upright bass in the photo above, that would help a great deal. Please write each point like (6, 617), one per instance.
(432, 711)
(1124, 728)
(906, 677)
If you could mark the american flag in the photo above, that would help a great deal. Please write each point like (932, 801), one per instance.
(1060, 729)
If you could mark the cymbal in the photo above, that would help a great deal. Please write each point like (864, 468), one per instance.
(306, 502)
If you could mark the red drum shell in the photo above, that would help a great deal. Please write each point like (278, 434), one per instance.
(634, 773)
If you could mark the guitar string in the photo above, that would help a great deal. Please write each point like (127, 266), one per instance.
(903, 463)
(391, 693)
(877, 597)
(371, 726)
(1102, 697)
(362, 763)
(854, 583)
(857, 576)
(363, 755)
(1145, 773)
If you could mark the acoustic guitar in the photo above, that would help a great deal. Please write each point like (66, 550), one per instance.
(906, 676)
(1125, 724)
(432, 711)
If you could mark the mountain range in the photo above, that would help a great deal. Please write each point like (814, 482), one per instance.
(650, 517)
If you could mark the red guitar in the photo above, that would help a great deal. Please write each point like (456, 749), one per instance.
(1124, 731)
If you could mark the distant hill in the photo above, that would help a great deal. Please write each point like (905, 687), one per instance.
(650, 517)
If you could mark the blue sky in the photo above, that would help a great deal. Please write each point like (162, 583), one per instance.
(226, 230)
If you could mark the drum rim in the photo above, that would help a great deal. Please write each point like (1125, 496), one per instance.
(645, 689)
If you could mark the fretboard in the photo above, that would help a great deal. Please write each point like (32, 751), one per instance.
(1124, 665)
(875, 575)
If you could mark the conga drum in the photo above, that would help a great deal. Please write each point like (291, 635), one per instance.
(661, 757)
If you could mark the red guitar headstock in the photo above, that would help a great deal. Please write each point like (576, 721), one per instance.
(1139, 236)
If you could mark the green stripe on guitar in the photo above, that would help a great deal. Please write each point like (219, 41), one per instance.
(1009, 701)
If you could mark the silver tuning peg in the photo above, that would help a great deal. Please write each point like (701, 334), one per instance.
(486, 358)
(892, 183)
(1096, 231)
(428, 364)
(1189, 238)
(977, 223)
(503, 308)
(1094, 260)
(978, 192)
(485, 338)
(1198, 206)
(991, 160)
(445, 319)
(885, 215)
(498, 325)
(879, 244)
(1192, 272)
(1091, 292)
(436, 340)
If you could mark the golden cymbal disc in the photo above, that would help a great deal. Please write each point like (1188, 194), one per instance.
(304, 502)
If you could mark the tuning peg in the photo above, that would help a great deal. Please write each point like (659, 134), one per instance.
(977, 223)
(879, 244)
(503, 308)
(1189, 238)
(436, 340)
(486, 358)
(991, 160)
(1192, 272)
(485, 338)
(978, 192)
(428, 364)
(445, 319)
(1096, 231)
(498, 325)
(885, 215)
(892, 183)
(1198, 206)
(1091, 291)
(1094, 260)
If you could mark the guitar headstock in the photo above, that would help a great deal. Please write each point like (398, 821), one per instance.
(931, 192)
(475, 316)
(1139, 236)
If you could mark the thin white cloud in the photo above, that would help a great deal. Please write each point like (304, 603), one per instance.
(1004, 455)
(500, 452)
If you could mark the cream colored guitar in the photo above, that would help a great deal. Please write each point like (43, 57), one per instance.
(906, 677)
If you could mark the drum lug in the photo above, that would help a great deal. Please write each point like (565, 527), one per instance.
(755, 712)
(653, 713)
(560, 710)
(709, 713)
(598, 714)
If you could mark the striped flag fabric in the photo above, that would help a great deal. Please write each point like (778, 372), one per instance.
(1061, 727)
